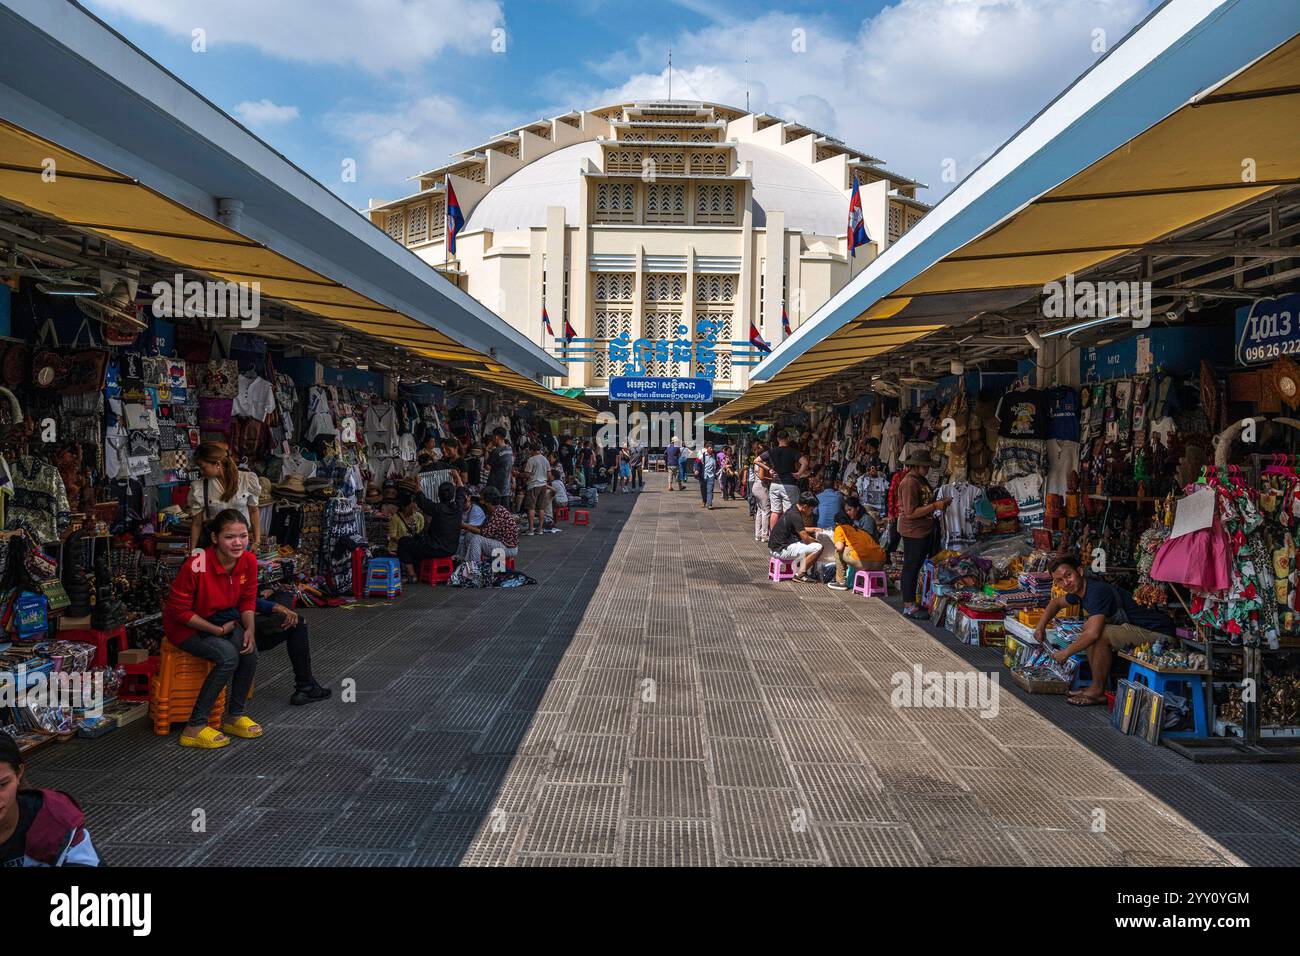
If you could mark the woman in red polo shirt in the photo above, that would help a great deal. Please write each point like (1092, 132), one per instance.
(209, 614)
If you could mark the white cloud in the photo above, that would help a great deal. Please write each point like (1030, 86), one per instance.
(921, 82)
(394, 144)
(257, 113)
(379, 36)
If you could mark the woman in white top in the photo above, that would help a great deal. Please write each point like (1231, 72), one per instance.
(222, 485)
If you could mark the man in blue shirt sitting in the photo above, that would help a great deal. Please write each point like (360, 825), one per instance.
(1114, 622)
(829, 502)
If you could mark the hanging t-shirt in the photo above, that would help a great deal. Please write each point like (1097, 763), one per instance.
(958, 518)
(255, 397)
(1063, 413)
(1028, 492)
(1023, 414)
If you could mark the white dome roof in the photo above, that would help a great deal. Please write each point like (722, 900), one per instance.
(810, 203)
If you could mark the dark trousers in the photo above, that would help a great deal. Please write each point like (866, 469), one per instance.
(271, 634)
(915, 551)
(415, 548)
(230, 669)
(638, 476)
(729, 486)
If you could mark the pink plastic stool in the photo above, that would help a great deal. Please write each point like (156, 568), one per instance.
(870, 583)
(779, 570)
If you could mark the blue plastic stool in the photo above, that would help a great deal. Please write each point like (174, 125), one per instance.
(1079, 680)
(383, 577)
(1195, 685)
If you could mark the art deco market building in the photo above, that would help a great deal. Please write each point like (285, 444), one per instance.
(642, 217)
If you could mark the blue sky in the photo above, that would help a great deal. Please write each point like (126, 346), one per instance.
(397, 85)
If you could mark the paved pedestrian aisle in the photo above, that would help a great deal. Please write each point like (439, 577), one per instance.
(656, 701)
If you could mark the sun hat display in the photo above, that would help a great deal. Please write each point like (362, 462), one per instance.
(291, 487)
(920, 456)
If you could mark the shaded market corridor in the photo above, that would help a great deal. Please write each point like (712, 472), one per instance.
(656, 701)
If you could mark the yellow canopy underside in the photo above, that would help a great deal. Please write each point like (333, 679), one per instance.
(93, 197)
(1188, 167)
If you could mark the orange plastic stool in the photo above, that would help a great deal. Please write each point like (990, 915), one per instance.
(436, 570)
(174, 689)
(581, 517)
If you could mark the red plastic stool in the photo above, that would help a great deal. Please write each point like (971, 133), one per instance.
(562, 514)
(581, 517)
(135, 685)
(436, 570)
(101, 639)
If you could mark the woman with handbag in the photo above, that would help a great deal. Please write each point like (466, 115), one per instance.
(222, 486)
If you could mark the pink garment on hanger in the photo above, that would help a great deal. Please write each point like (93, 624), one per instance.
(1200, 560)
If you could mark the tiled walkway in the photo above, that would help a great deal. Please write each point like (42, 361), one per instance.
(655, 700)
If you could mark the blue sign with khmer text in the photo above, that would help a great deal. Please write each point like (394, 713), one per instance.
(660, 389)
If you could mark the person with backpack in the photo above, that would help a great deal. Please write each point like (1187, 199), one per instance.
(38, 827)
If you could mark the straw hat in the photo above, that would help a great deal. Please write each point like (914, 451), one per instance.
(291, 487)
(266, 495)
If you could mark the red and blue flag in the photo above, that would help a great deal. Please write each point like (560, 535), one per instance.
(756, 340)
(546, 322)
(857, 227)
(569, 332)
(785, 322)
(455, 219)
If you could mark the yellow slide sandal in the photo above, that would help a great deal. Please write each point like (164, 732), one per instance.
(244, 727)
(206, 739)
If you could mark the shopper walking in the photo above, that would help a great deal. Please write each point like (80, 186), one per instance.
(672, 459)
(210, 614)
(538, 493)
(758, 481)
(917, 509)
(727, 461)
(636, 458)
(706, 471)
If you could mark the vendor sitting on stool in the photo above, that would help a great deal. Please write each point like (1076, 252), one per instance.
(1115, 622)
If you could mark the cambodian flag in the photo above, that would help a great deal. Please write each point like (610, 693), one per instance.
(785, 322)
(455, 220)
(569, 332)
(857, 228)
(756, 340)
(546, 321)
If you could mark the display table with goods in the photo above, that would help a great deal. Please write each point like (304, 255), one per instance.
(1230, 555)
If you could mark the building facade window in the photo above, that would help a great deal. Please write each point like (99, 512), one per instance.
(615, 202)
(715, 204)
(895, 222)
(665, 203)
(396, 225)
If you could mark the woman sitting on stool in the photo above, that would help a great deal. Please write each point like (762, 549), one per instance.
(210, 614)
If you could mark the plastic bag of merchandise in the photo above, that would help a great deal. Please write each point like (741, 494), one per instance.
(511, 579)
(470, 574)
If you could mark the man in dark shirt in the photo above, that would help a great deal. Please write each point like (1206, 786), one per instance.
(787, 466)
(1115, 621)
(672, 455)
(793, 540)
(441, 535)
(501, 461)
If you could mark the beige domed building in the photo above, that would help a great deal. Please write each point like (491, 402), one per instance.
(643, 218)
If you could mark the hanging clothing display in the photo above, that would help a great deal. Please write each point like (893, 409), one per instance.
(959, 519)
(40, 501)
(1022, 413)
(255, 397)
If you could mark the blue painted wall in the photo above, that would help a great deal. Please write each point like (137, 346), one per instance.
(1172, 350)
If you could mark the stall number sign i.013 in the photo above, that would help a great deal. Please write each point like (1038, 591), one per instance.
(1268, 330)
